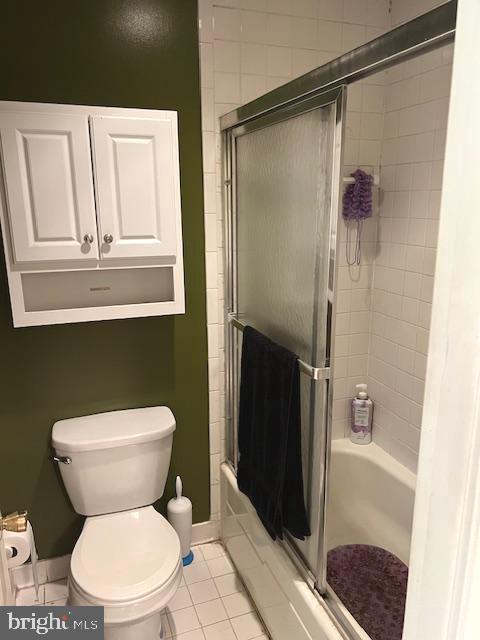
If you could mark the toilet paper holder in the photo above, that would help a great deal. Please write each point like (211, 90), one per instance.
(15, 521)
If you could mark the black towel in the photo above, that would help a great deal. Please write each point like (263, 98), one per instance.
(269, 435)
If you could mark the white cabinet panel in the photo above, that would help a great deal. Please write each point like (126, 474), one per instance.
(137, 185)
(73, 175)
(48, 173)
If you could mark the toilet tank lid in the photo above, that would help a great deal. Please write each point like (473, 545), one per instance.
(113, 429)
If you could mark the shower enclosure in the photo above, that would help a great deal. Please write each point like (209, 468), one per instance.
(284, 179)
(285, 169)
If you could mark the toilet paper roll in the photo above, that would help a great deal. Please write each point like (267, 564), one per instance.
(18, 546)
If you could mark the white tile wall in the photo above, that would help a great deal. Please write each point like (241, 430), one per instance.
(383, 313)
(249, 47)
(363, 134)
(416, 108)
(404, 10)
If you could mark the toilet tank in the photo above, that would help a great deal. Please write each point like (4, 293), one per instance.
(114, 461)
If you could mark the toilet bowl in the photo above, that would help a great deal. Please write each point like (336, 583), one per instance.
(127, 559)
(130, 564)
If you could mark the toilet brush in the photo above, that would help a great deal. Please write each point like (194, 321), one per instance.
(179, 512)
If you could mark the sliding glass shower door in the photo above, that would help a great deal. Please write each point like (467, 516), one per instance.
(282, 197)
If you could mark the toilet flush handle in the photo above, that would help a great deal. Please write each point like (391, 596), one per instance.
(63, 459)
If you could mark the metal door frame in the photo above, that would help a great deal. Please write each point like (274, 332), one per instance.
(322, 432)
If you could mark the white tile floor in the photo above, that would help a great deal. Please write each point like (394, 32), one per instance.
(210, 603)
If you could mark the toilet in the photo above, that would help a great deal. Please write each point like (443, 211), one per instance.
(127, 559)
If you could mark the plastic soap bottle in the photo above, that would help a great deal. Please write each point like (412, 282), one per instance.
(362, 416)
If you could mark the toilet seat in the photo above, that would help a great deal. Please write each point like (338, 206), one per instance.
(127, 562)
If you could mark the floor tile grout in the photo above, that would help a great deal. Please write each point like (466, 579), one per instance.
(200, 559)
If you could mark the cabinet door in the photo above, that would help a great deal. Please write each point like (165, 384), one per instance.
(137, 185)
(49, 186)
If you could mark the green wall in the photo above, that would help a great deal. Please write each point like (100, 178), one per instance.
(130, 53)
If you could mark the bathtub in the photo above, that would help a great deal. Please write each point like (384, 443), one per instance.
(371, 502)
(371, 498)
(287, 605)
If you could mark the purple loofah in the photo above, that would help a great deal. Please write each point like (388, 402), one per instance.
(357, 199)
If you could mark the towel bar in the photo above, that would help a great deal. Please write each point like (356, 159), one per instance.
(316, 373)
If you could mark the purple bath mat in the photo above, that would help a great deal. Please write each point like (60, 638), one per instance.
(372, 584)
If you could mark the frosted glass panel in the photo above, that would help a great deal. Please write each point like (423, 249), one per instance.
(283, 189)
(283, 216)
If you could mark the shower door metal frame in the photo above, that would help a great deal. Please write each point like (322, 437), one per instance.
(320, 434)
(429, 31)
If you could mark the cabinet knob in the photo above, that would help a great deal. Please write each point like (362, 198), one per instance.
(88, 238)
(108, 238)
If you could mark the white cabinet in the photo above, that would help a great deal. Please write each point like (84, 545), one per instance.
(136, 179)
(47, 167)
(90, 212)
